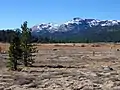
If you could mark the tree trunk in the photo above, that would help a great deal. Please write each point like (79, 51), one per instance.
(15, 65)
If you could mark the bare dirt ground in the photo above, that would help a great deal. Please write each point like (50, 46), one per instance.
(66, 67)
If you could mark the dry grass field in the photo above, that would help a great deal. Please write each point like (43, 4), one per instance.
(66, 67)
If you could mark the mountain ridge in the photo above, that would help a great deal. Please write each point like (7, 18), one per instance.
(75, 23)
(80, 30)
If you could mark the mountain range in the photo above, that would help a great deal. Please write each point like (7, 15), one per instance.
(77, 28)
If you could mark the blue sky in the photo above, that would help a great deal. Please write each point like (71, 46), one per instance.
(14, 12)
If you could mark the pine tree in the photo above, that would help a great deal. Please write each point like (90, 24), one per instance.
(27, 47)
(15, 53)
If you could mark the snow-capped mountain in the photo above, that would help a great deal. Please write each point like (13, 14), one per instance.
(74, 24)
(49, 27)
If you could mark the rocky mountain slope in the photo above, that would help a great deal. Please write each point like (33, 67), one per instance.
(77, 28)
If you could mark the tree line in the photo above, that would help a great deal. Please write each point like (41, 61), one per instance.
(91, 35)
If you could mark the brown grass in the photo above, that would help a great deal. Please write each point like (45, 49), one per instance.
(68, 66)
(102, 46)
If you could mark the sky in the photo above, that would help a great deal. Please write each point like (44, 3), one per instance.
(14, 12)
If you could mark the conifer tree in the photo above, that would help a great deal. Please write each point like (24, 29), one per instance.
(15, 53)
(27, 47)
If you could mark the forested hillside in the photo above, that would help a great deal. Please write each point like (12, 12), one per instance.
(94, 34)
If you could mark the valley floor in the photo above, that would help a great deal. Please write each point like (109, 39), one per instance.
(67, 67)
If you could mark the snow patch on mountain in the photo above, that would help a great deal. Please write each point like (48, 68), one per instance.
(75, 23)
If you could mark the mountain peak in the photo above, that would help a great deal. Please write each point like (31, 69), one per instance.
(76, 23)
(77, 19)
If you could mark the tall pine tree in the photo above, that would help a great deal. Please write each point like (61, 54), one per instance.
(15, 53)
(27, 48)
